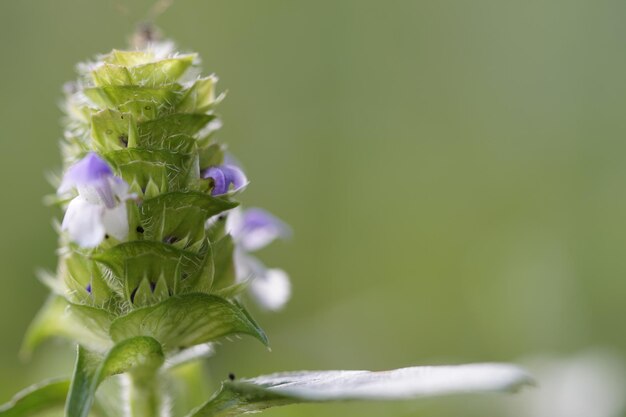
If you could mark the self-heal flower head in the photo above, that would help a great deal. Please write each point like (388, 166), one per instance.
(223, 177)
(252, 230)
(99, 209)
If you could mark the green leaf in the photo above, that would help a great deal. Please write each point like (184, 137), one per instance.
(132, 262)
(139, 354)
(46, 396)
(187, 320)
(58, 317)
(181, 215)
(250, 395)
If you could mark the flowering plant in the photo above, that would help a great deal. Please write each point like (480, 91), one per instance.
(155, 255)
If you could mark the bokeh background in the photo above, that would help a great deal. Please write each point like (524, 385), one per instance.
(454, 172)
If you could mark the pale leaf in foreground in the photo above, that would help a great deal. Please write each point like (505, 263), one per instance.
(254, 394)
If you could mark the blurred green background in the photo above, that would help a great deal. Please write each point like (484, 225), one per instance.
(454, 172)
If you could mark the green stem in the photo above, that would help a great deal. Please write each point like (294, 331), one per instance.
(144, 398)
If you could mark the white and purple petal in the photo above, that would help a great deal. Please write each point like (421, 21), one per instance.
(89, 171)
(255, 228)
(83, 222)
(115, 221)
(100, 208)
(270, 288)
(223, 177)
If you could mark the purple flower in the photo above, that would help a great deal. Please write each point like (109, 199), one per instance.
(99, 209)
(252, 230)
(255, 228)
(91, 172)
(223, 177)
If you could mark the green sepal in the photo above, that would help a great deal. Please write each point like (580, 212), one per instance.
(180, 215)
(149, 74)
(211, 155)
(132, 262)
(112, 130)
(202, 280)
(186, 320)
(174, 124)
(43, 397)
(112, 96)
(232, 290)
(148, 293)
(110, 74)
(128, 58)
(166, 171)
(60, 318)
(77, 272)
(138, 354)
(142, 295)
(165, 71)
(217, 229)
(141, 110)
(178, 144)
(223, 251)
(160, 291)
(200, 97)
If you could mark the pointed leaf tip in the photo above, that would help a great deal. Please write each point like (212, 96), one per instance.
(187, 320)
